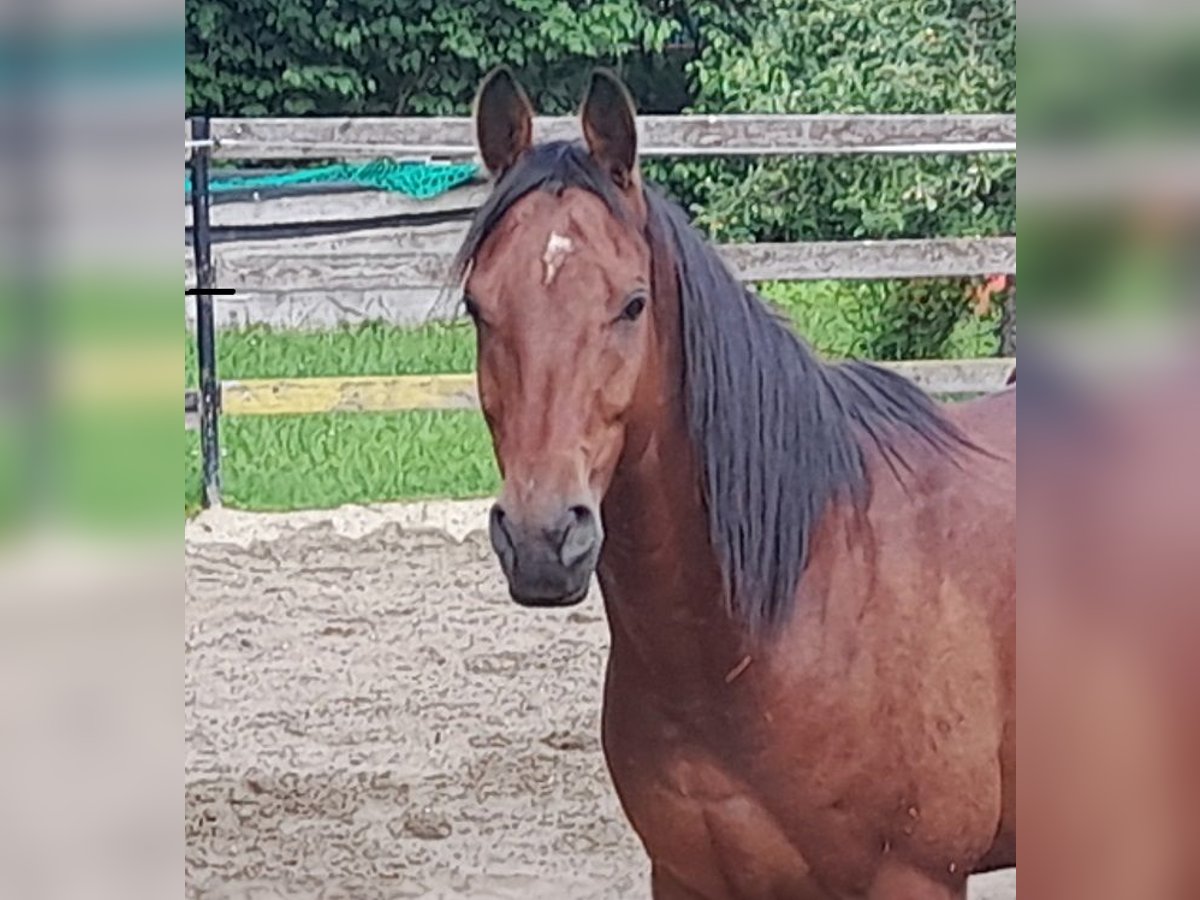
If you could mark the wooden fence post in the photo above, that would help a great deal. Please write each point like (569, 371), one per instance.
(1008, 320)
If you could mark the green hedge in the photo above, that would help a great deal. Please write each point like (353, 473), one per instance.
(417, 57)
(858, 56)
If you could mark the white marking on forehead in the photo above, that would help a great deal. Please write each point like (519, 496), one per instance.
(557, 249)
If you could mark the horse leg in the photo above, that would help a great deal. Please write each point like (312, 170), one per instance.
(900, 882)
(665, 886)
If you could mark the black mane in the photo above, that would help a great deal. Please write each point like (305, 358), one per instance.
(779, 434)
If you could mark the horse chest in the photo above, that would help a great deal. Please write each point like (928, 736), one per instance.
(726, 821)
(711, 834)
(739, 803)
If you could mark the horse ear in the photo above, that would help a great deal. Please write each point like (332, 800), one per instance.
(609, 126)
(503, 120)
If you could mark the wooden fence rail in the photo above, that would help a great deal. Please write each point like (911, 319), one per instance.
(689, 135)
(382, 262)
(402, 393)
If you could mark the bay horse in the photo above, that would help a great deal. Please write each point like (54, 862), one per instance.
(808, 569)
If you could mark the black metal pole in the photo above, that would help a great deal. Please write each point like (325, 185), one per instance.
(206, 347)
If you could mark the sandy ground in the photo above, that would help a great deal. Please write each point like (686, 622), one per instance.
(368, 716)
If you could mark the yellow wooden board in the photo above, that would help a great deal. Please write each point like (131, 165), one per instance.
(301, 396)
(400, 393)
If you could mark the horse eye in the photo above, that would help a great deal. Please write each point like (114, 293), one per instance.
(634, 307)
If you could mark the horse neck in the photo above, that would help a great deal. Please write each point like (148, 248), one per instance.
(660, 575)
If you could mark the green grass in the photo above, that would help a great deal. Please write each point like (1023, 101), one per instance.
(885, 319)
(299, 462)
(296, 462)
(374, 349)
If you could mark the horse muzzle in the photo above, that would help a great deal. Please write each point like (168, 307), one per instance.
(548, 562)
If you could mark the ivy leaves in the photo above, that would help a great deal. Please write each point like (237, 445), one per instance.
(414, 57)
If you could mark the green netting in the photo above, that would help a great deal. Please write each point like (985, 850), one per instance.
(415, 179)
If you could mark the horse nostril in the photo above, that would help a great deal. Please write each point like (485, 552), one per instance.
(502, 541)
(580, 537)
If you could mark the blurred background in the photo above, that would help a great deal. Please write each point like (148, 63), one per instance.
(1109, 418)
(90, 572)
